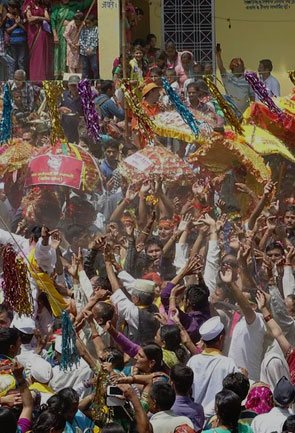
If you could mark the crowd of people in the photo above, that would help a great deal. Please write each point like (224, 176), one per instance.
(180, 293)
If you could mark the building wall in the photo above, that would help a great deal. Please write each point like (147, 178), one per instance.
(252, 40)
(156, 20)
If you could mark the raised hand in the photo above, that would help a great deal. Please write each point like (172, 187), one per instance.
(55, 239)
(269, 188)
(131, 192)
(161, 318)
(184, 223)
(289, 257)
(260, 299)
(226, 275)
(194, 266)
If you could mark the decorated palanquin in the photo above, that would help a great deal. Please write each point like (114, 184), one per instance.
(155, 161)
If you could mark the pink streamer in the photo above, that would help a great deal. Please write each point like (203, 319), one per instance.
(260, 89)
(90, 114)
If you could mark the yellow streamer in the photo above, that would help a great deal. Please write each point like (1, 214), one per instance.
(53, 91)
(228, 111)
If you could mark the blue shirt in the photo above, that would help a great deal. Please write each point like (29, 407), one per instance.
(106, 169)
(108, 108)
(18, 36)
(185, 406)
(81, 421)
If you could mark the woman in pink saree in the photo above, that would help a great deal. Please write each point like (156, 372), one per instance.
(39, 39)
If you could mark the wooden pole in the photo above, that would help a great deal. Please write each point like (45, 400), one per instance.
(124, 59)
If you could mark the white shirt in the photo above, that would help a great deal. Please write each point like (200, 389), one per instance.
(27, 357)
(274, 366)
(270, 422)
(127, 311)
(246, 347)
(71, 378)
(166, 421)
(212, 265)
(273, 87)
(210, 368)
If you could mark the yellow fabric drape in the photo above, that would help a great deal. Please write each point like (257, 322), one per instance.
(45, 284)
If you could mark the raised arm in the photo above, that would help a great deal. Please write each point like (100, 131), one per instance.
(260, 205)
(219, 60)
(227, 276)
(272, 325)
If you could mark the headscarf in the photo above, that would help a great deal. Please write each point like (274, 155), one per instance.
(259, 399)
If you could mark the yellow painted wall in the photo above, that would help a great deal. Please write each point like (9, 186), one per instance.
(109, 35)
(156, 20)
(252, 40)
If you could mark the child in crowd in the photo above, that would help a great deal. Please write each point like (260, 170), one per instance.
(198, 72)
(16, 35)
(138, 65)
(88, 42)
(71, 35)
(173, 80)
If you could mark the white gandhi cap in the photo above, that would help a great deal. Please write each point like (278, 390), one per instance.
(41, 370)
(24, 324)
(211, 328)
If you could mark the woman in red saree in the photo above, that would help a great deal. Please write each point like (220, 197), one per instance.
(39, 39)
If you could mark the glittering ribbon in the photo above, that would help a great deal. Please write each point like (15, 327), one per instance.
(292, 76)
(90, 114)
(16, 286)
(227, 110)
(186, 115)
(53, 91)
(144, 121)
(69, 353)
(5, 124)
(261, 91)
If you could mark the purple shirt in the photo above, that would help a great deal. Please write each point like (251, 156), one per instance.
(191, 321)
(185, 406)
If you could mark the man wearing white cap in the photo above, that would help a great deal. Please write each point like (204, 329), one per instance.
(138, 312)
(26, 327)
(210, 367)
(41, 373)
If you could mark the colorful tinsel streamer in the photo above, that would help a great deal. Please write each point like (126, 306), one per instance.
(6, 124)
(90, 114)
(53, 92)
(261, 91)
(100, 412)
(227, 110)
(292, 76)
(69, 354)
(16, 286)
(186, 115)
(144, 121)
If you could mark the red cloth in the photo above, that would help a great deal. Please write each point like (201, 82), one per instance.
(283, 129)
(291, 363)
